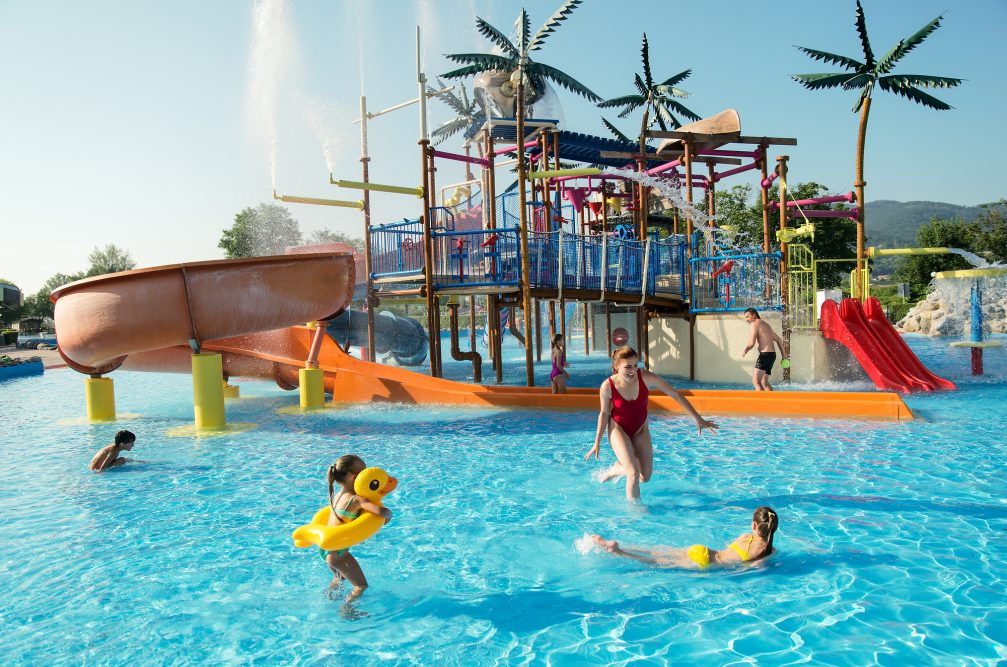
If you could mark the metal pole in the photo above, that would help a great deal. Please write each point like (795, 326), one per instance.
(523, 202)
(781, 161)
(365, 161)
(764, 192)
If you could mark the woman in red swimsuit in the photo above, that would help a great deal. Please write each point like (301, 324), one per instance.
(624, 412)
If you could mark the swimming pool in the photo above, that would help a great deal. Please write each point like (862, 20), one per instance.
(891, 548)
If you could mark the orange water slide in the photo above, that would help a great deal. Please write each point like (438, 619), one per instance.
(149, 320)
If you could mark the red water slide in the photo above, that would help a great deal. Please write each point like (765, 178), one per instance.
(878, 347)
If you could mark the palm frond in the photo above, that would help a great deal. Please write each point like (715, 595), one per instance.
(629, 109)
(862, 33)
(614, 130)
(821, 81)
(450, 128)
(480, 62)
(906, 45)
(665, 118)
(645, 54)
(497, 37)
(552, 23)
(671, 91)
(922, 80)
(635, 100)
(858, 81)
(681, 109)
(678, 78)
(449, 98)
(640, 85)
(832, 58)
(522, 31)
(865, 94)
(564, 80)
(913, 93)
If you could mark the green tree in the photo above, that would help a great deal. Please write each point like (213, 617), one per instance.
(267, 229)
(110, 259)
(329, 236)
(864, 76)
(957, 233)
(514, 57)
(992, 240)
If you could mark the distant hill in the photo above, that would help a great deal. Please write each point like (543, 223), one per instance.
(893, 224)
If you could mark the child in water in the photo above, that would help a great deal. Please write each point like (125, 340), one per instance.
(108, 456)
(747, 548)
(558, 375)
(347, 506)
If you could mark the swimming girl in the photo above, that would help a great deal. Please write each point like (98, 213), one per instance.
(346, 506)
(747, 548)
(624, 412)
(558, 375)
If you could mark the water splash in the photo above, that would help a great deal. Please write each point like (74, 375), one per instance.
(971, 258)
(585, 545)
(322, 118)
(272, 55)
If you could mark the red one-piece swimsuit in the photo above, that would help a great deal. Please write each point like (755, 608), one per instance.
(630, 415)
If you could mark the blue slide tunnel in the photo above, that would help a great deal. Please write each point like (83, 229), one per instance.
(403, 337)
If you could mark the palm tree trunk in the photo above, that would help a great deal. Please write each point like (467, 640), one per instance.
(859, 290)
(522, 202)
(641, 207)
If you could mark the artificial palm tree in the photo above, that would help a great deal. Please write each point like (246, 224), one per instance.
(657, 96)
(863, 76)
(514, 57)
(468, 114)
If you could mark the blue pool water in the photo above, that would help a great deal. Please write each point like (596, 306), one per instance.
(892, 545)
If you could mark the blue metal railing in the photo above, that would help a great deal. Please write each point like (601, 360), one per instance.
(476, 258)
(397, 249)
(733, 283)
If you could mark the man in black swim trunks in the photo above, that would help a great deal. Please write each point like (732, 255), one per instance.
(763, 336)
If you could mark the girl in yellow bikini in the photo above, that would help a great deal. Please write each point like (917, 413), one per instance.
(749, 547)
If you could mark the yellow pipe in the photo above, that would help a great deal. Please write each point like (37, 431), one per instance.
(552, 173)
(208, 391)
(883, 252)
(311, 381)
(359, 205)
(357, 185)
(992, 272)
(231, 391)
(100, 396)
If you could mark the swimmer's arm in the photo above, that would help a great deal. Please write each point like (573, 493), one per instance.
(373, 508)
(604, 415)
(653, 378)
(779, 343)
(753, 339)
(101, 460)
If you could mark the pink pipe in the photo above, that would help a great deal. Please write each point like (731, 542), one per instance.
(852, 214)
(768, 181)
(513, 149)
(736, 170)
(664, 167)
(725, 153)
(604, 177)
(848, 197)
(462, 158)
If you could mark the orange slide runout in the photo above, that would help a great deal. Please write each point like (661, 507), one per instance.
(147, 319)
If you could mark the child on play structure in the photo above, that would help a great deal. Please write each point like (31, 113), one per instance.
(747, 548)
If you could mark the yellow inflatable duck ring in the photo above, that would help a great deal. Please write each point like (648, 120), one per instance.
(372, 484)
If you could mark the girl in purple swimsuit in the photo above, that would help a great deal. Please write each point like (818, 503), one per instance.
(558, 374)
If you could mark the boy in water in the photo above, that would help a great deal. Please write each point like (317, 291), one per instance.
(108, 456)
(763, 336)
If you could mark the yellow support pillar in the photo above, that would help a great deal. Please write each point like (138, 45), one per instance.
(208, 391)
(100, 396)
(311, 381)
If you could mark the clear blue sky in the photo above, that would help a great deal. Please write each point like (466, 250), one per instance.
(145, 124)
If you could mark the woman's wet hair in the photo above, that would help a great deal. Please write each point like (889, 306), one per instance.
(343, 468)
(557, 338)
(766, 522)
(124, 437)
(621, 354)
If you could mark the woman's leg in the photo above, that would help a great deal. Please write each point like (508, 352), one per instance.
(625, 452)
(559, 384)
(644, 450)
(348, 567)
